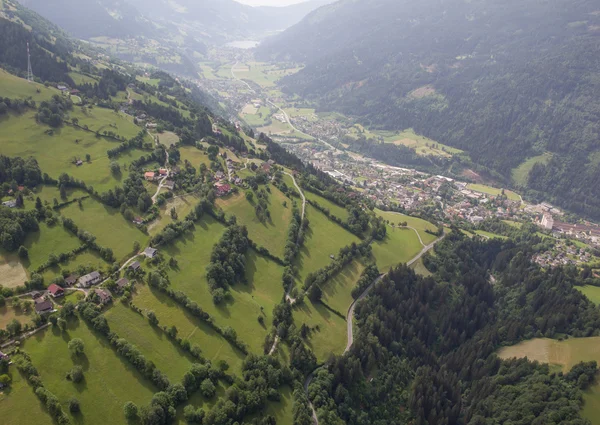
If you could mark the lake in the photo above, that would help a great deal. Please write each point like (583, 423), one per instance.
(243, 44)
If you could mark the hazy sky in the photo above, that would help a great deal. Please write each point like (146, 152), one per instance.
(270, 2)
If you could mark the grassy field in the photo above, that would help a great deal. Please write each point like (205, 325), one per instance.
(563, 354)
(214, 346)
(335, 209)
(337, 292)
(22, 136)
(49, 193)
(282, 410)
(19, 401)
(12, 271)
(48, 240)
(18, 88)
(323, 238)
(399, 246)
(87, 258)
(328, 331)
(422, 145)
(417, 223)
(272, 234)
(489, 235)
(168, 138)
(151, 340)
(109, 380)
(488, 190)
(242, 311)
(108, 225)
(102, 119)
(265, 75)
(521, 173)
(183, 206)
(82, 79)
(420, 268)
(592, 292)
(195, 156)
(8, 313)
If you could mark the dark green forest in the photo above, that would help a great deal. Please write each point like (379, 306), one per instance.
(427, 345)
(496, 77)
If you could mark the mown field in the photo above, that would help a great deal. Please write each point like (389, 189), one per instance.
(337, 292)
(183, 206)
(417, 223)
(399, 246)
(108, 225)
(48, 240)
(87, 258)
(334, 209)
(19, 402)
(488, 190)
(18, 88)
(55, 152)
(563, 354)
(323, 239)
(246, 305)
(109, 382)
(214, 347)
(152, 341)
(521, 173)
(272, 233)
(592, 292)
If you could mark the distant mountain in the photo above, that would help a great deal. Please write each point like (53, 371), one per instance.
(216, 20)
(504, 79)
(93, 18)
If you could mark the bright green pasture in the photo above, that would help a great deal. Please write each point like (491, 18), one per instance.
(272, 234)
(19, 401)
(322, 239)
(49, 240)
(592, 292)
(18, 88)
(337, 292)
(49, 193)
(214, 347)
(22, 136)
(79, 79)
(328, 331)
(399, 246)
(151, 340)
(242, 311)
(489, 235)
(420, 268)
(521, 173)
(102, 119)
(334, 209)
(87, 258)
(110, 381)
(417, 223)
(194, 156)
(183, 206)
(493, 191)
(111, 229)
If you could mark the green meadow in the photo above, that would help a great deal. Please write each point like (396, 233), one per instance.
(322, 239)
(18, 88)
(272, 234)
(521, 173)
(183, 206)
(86, 258)
(48, 240)
(8, 313)
(417, 223)
(108, 225)
(109, 381)
(337, 292)
(152, 341)
(399, 246)
(592, 292)
(488, 190)
(334, 209)
(214, 347)
(55, 151)
(20, 401)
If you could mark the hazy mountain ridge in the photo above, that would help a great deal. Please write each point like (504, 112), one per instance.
(487, 76)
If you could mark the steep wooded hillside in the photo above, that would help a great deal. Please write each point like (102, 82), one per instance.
(490, 77)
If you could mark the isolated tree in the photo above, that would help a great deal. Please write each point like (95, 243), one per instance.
(130, 410)
(173, 213)
(152, 318)
(76, 374)
(249, 195)
(136, 246)
(38, 204)
(74, 405)
(76, 346)
(23, 253)
(115, 168)
(5, 379)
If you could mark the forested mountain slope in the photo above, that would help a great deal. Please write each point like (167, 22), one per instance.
(491, 77)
